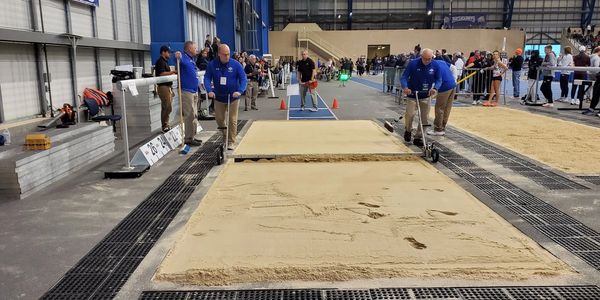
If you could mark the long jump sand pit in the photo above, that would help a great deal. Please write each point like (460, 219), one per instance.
(567, 146)
(319, 138)
(279, 222)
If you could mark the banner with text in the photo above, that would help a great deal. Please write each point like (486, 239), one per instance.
(471, 20)
(89, 2)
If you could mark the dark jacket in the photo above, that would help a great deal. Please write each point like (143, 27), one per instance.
(201, 63)
(535, 61)
(516, 63)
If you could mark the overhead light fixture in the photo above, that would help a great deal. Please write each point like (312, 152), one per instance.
(351, 14)
(429, 13)
(339, 16)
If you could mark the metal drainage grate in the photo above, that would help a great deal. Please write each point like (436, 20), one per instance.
(464, 293)
(105, 269)
(541, 176)
(560, 227)
(483, 293)
(591, 179)
(528, 293)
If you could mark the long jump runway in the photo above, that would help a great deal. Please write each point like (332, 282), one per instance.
(294, 107)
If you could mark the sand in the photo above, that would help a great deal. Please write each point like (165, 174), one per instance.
(567, 146)
(318, 137)
(274, 222)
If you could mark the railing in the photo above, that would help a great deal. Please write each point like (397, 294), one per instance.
(319, 41)
(471, 83)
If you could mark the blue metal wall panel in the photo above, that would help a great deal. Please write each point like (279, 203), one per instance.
(226, 22)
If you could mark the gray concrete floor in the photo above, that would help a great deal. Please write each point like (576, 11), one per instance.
(44, 235)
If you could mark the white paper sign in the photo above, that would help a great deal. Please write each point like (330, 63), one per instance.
(173, 137)
(154, 150)
(133, 89)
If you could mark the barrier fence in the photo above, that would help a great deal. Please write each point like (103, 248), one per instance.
(471, 83)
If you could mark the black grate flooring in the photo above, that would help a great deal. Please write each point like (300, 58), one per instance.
(539, 175)
(558, 226)
(587, 292)
(591, 179)
(105, 269)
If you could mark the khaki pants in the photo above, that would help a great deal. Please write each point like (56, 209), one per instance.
(251, 94)
(411, 109)
(166, 104)
(220, 114)
(443, 106)
(190, 115)
(313, 95)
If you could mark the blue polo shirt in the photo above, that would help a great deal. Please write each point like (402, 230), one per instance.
(448, 82)
(189, 76)
(421, 78)
(232, 72)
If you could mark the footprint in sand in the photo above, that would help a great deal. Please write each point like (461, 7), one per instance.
(447, 213)
(414, 243)
(368, 204)
(375, 215)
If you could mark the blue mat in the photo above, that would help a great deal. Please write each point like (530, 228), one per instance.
(294, 112)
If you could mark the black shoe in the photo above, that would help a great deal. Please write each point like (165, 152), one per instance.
(418, 142)
(195, 143)
(246, 109)
(255, 108)
(407, 136)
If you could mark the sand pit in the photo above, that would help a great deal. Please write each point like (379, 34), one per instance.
(567, 146)
(318, 137)
(273, 222)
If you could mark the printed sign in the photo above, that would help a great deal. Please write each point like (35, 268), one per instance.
(173, 137)
(471, 20)
(89, 2)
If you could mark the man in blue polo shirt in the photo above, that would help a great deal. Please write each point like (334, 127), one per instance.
(444, 99)
(225, 80)
(189, 92)
(425, 78)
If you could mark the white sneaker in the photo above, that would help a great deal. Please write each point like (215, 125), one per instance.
(435, 133)
(302, 108)
(572, 101)
(576, 101)
(314, 109)
(474, 103)
(548, 105)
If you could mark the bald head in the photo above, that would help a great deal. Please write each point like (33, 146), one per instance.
(426, 56)
(224, 53)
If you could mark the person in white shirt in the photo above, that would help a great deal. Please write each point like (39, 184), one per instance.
(459, 63)
(594, 62)
(565, 60)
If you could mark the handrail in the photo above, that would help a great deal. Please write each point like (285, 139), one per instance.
(322, 43)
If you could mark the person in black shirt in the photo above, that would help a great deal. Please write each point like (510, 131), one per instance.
(252, 71)
(207, 44)
(161, 68)
(306, 75)
(516, 64)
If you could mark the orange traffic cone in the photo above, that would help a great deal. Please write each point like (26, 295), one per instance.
(282, 105)
(335, 104)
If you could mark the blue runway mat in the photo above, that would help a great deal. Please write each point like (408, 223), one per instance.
(294, 112)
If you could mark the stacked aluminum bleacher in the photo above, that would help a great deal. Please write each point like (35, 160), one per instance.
(23, 172)
(143, 113)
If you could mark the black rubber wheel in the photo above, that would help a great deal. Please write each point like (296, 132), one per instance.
(435, 155)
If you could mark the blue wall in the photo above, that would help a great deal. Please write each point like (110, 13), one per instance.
(226, 22)
(168, 21)
(168, 25)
